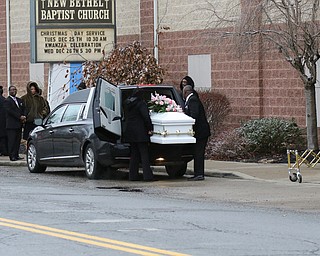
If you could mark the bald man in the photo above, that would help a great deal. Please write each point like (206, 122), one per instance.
(194, 108)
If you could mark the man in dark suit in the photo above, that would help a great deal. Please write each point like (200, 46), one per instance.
(15, 117)
(3, 132)
(194, 108)
(138, 129)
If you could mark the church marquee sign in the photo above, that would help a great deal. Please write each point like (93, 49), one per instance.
(71, 30)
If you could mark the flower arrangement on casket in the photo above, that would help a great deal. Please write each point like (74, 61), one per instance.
(170, 124)
(161, 103)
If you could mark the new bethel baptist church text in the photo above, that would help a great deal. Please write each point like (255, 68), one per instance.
(73, 30)
(73, 10)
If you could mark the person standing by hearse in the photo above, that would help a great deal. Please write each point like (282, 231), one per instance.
(3, 132)
(194, 108)
(15, 118)
(137, 131)
(36, 107)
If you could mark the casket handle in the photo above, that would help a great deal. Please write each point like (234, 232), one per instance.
(166, 133)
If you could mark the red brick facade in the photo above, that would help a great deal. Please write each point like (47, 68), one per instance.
(3, 45)
(258, 85)
(20, 58)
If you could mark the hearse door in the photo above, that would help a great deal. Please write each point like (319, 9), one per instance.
(107, 110)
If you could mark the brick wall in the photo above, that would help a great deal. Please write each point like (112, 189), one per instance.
(283, 90)
(3, 46)
(20, 44)
(146, 23)
(258, 84)
(20, 57)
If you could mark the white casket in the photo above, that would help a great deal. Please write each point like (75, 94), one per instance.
(172, 128)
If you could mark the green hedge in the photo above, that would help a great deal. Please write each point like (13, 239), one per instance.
(271, 135)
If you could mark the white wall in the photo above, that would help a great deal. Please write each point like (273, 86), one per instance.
(199, 68)
(20, 21)
(193, 15)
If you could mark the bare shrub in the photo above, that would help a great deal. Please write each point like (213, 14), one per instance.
(229, 145)
(217, 107)
(131, 64)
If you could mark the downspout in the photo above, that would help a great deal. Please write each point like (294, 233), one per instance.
(155, 30)
(8, 27)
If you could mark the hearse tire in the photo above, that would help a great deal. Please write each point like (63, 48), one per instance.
(32, 162)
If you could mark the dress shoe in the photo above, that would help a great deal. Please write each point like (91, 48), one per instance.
(19, 158)
(13, 159)
(195, 178)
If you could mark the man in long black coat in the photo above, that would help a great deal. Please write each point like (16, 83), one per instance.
(138, 128)
(15, 118)
(3, 132)
(194, 108)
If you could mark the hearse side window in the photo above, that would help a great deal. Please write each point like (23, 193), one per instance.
(82, 112)
(146, 94)
(71, 114)
(167, 93)
(161, 91)
(55, 116)
(109, 100)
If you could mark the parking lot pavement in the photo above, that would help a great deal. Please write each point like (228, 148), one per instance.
(228, 169)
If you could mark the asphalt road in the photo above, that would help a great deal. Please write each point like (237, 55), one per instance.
(62, 212)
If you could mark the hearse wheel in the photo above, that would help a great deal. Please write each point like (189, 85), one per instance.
(33, 164)
(92, 168)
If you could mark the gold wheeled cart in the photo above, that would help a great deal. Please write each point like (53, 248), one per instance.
(309, 157)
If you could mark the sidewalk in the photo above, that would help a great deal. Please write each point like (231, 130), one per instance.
(260, 171)
(233, 170)
(5, 161)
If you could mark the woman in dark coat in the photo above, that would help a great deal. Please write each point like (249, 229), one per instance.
(187, 80)
(138, 128)
(36, 107)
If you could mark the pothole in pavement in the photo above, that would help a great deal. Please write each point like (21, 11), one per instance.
(227, 175)
(122, 189)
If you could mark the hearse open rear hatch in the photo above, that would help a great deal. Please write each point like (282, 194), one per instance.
(107, 110)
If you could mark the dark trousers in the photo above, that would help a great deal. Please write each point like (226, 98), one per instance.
(28, 127)
(14, 139)
(3, 145)
(139, 151)
(198, 154)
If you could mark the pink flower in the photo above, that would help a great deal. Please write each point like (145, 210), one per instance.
(161, 103)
